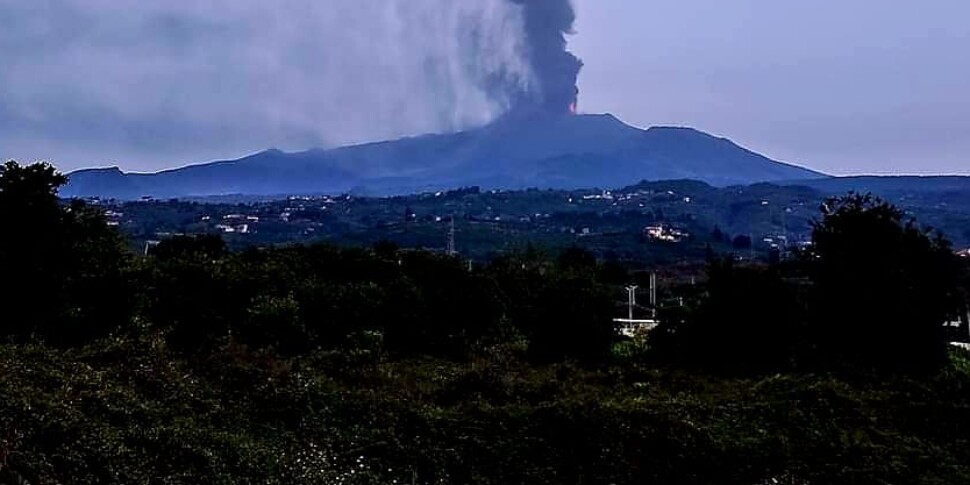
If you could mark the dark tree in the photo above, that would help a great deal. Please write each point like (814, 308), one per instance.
(62, 267)
(386, 249)
(747, 322)
(883, 287)
(741, 242)
(195, 289)
(207, 247)
(448, 311)
(574, 317)
(577, 259)
(717, 235)
(574, 321)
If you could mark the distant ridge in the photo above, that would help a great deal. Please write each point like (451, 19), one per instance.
(888, 184)
(544, 152)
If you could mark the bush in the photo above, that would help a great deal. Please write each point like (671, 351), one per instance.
(64, 271)
(747, 322)
(882, 288)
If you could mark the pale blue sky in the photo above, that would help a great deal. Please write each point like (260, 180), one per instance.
(859, 86)
(863, 86)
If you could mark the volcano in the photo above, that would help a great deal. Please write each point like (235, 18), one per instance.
(561, 152)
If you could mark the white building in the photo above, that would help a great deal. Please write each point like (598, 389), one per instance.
(664, 233)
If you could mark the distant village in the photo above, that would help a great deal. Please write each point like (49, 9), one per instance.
(670, 217)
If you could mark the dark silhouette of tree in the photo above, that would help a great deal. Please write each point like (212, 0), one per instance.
(562, 310)
(574, 321)
(97, 285)
(746, 322)
(386, 249)
(577, 259)
(447, 312)
(963, 303)
(574, 312)
(188, 287)
(882, 287)
(203, 246)
(63, 268)
(741, 242)
(717, 235)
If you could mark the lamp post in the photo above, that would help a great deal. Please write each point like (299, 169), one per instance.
(631, 299)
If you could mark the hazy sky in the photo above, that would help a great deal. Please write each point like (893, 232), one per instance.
(856, 86)
(867, 86)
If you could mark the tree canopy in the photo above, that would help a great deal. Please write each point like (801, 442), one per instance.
(882, 286)
(62, 267)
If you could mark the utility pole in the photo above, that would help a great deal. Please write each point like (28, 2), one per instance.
(631, 299)
(149, 245)
(784, 227)
(451, 238)
(966, 321)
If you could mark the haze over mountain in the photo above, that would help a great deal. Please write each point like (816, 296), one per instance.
(545, 151)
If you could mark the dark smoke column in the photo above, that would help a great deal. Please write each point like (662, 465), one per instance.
(546, 23)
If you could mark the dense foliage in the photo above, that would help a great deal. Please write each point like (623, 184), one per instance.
(882, 286)
(318, 364)
(63, 268)
(131, 412)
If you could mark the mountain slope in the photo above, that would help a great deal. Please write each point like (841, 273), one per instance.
(546, 152)
(890, 184)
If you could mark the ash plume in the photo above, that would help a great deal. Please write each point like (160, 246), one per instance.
(555, 69)
(293, 75)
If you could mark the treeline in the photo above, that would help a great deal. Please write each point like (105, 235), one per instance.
(318, 364)
(872, 294)
(295, 300)
(73, 283)
(873, 291)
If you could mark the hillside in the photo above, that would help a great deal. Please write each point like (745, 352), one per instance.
(561, 152)
(890, 184)
(609, 223)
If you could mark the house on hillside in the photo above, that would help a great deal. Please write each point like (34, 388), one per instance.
(233, 228)
(665, 233)
(958, 328)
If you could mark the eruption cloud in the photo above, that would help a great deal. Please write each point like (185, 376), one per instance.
(534, 74)
(189, 81)
(556, 70)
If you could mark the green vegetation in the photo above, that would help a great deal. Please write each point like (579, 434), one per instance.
(63, 268)
(749, 220)
(319, 364)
